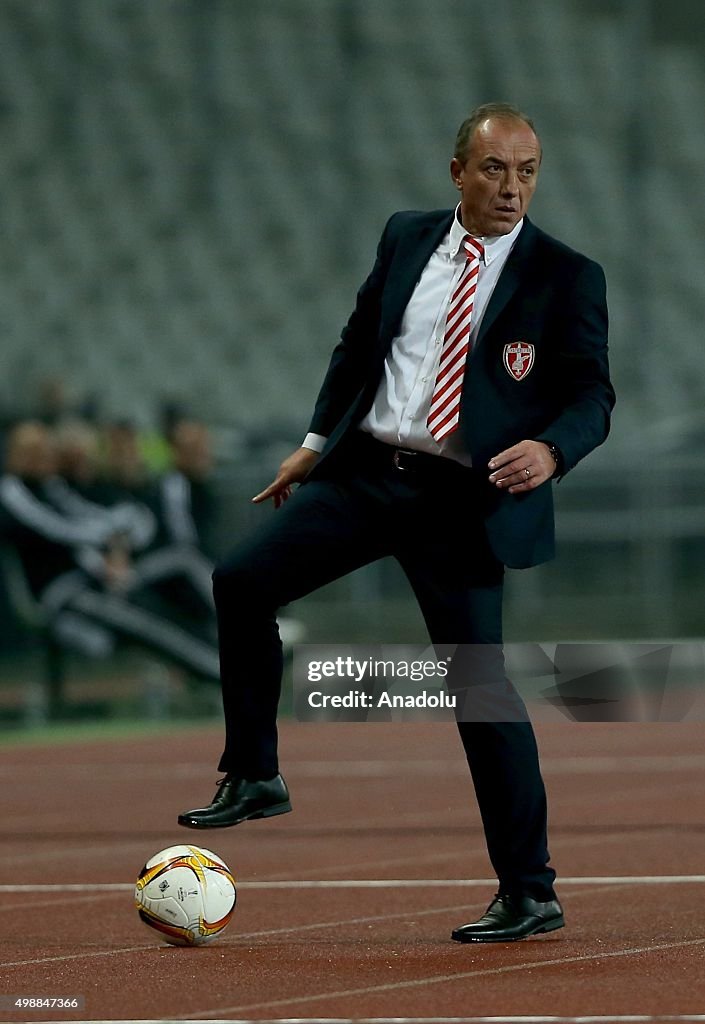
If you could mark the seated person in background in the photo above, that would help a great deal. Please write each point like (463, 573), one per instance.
(180, 578)
(79, 566)
(183, 497)
(78, 451)
(124, 471)
(79, 488)
(184, 503)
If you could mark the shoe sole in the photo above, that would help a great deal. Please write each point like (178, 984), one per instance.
(549, 926)
(269, 812)
(265, 812)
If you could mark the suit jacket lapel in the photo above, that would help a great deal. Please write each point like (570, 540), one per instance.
(510, 277)
(417, 253)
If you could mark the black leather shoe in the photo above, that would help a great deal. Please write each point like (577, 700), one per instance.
(512, 917)
(240, 800)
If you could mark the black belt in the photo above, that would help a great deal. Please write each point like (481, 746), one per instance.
(406, 460)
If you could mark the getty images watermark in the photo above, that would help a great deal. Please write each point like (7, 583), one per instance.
(354, 682)
(583, 682)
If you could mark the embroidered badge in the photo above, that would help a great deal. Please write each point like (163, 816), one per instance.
(518, 359)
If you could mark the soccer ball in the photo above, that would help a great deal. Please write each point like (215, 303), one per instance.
(187, 894)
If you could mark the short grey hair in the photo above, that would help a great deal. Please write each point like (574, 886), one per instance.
(501, 111)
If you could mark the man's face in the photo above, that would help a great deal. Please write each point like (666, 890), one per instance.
(32, 452)
(498, 178)
(192, 450)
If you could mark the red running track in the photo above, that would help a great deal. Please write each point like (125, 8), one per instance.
(312, 938)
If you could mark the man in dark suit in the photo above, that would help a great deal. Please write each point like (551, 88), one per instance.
(472, 370)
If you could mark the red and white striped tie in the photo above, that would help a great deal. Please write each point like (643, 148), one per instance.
(444, 413)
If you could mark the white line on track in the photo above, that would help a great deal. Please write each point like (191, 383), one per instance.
(446, 979)
(573, 765)
(29, 905)
(371, 883)
(246, 936)
(396, 916)
(416, 983)
(79, 956)
(241, 937)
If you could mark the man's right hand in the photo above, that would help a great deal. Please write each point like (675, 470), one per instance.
(292, 471)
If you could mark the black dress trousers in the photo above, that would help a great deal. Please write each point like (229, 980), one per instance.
(428, 515)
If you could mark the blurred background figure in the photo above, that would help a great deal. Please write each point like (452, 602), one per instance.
(184, 500)
(178, 565)
(124, 468)
(78, 459)
(184, 497)
(79, 566)
(80, 487)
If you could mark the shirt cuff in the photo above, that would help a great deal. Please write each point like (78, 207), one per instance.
(315, 442)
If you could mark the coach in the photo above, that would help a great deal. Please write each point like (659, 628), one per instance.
(472, 371)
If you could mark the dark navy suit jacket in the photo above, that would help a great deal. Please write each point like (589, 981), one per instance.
(548, 297)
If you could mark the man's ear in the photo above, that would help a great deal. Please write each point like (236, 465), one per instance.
(456, 172)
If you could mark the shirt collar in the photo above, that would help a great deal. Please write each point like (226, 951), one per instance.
(494, 245)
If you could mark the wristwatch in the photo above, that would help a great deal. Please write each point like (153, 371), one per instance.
(556, 455)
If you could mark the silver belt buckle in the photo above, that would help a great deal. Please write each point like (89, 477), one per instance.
(397, 462)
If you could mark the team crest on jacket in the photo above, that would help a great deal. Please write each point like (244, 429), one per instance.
(518, 359)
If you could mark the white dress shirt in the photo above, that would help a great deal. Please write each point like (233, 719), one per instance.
(400, 408)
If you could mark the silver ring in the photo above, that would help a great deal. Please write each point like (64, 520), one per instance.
(527, 472)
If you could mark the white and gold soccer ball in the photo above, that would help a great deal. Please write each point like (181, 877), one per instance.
(187, 894)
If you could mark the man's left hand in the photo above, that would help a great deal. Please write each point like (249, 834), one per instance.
(522, 467)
